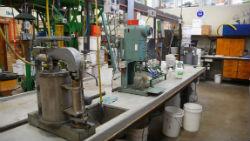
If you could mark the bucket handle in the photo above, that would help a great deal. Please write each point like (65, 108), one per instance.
(179, 123)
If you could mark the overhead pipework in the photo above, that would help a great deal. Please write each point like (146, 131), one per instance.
(131, 7)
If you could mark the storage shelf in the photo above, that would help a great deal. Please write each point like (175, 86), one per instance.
(217, 36)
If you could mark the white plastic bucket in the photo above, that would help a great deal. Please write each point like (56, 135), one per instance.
(217, 78)
(92, 57)
(172, 121)
(138, 134)
(174, 50)
(93, 43)
(192, 117)
(170, 60)
(81, 43)
(106, 75)
(19, 67)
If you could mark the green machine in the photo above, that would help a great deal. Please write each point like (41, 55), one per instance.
(137, 76)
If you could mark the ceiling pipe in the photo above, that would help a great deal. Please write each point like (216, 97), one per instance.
(131, 7)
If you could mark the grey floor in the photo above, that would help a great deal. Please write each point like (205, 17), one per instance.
(226, 115)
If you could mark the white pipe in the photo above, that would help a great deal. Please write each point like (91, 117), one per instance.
(131, 7)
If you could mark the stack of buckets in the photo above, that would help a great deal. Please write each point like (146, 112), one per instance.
(138, 134)
(172, 119)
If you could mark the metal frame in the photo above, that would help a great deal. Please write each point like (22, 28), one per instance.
(143, 9)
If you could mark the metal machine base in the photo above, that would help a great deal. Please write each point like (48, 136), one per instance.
(151, 90)
(145, 92)
(65, 130)
(133, 91)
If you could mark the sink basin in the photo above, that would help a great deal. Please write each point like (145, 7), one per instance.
(100, 115)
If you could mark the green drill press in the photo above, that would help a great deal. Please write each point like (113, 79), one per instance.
(134, 68)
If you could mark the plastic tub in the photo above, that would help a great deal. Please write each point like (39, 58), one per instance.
(81, 43)
(172, 121)
(217, 78)
(192, 117)
(138, 134)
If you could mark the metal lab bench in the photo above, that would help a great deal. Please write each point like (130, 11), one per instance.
(220, 57)
(214, 64)
(136, 107)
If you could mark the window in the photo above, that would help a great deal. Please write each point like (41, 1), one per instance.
(188, 3)
(220, 2)
(140, 1)
(196, 3)
(215, 2)
(236, 1)
(245, 1)
(168, 3)
(239, 1)
(207, 2)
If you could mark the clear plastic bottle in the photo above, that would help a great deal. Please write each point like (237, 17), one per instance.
(179, 69)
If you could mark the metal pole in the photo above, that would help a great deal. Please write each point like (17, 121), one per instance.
(78, 105)
(131, 7)
(155, 32)
(88, 16)
(180, 31)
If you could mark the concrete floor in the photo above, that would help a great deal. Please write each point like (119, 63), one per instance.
(226, 115)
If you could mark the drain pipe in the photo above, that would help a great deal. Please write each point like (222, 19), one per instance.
(131, 7)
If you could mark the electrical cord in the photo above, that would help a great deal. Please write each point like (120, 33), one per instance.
(230, 25)
(147, 20)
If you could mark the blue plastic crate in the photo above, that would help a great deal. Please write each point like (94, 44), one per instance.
(242, 30)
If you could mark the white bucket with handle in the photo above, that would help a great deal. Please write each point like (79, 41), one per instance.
(192, 117)
(172, 121)
(138, 134)
(217, 78)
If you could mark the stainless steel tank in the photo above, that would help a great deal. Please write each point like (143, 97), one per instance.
(54, 98)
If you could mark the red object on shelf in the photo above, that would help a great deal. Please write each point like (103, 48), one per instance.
(133, 22)
(95, 30)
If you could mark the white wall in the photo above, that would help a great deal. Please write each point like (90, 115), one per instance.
(214, 15)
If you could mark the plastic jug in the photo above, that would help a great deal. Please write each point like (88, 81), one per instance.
(179, 69)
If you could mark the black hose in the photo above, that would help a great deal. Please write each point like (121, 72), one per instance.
(96, 81)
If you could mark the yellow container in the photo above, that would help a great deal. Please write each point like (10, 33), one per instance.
(7, 86)
(60, 32)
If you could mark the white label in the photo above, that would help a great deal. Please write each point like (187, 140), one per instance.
(136, 47)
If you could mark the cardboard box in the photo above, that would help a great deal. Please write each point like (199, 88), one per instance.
(206, 29)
